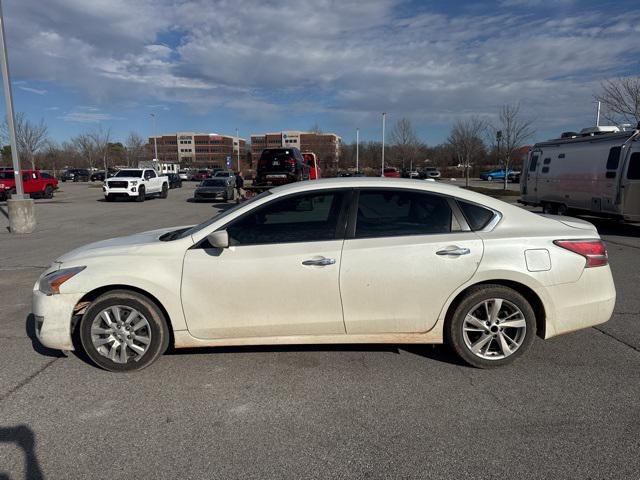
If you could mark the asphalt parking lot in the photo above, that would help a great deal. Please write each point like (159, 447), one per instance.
(570, 409)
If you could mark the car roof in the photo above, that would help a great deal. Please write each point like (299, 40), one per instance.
(442, 188)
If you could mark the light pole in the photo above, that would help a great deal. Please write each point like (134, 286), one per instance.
(384, 116)
(357, 149)
(20, 207)
(238, 140)
(155, 139)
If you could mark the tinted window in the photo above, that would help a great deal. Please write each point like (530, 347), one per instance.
(299, 218)
(386, 213)
(633, 172)
(614, 158)
(547, 161)
(534, 163)
(214, 183)
(6, 176)
(129, 173)
(477, 217)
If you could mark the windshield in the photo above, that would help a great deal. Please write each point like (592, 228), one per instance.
(6, 176)
(222, 174)
(213, 183)
(129, 173)
(223, 214)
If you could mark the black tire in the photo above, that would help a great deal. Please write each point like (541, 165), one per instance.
(109, 198)
(165, 191)
(158, 330)
(562, 209)
(48, 192)
(141, 195)
(453, 329)
(489, 178)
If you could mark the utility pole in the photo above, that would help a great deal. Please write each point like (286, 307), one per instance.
(384, 115)
(21, 213)
(155, 139)
(238, 140)
(357, 149)
(598, 116)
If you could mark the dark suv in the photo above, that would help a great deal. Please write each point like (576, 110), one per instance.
(278, 166)
(76, 175)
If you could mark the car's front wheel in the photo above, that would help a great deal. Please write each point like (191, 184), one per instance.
(48, 192)
(491, 326)
(490, 178)
(141, 195)
(123, 331)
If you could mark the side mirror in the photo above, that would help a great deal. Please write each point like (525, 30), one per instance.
(219, 239)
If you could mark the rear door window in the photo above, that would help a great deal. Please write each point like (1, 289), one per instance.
(395, 213)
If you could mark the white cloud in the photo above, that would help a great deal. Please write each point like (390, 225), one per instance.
(32, 90)
(88, 117)
(270, 58)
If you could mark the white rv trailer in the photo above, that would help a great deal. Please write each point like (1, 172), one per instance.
(595, 172)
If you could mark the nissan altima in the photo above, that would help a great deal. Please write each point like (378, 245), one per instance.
(354, 260)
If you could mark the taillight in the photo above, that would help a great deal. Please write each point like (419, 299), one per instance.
(291, 162)
(593, 250)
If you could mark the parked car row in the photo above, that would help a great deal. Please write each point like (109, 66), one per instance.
(499, 174)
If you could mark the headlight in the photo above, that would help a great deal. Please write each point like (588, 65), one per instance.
(134, 183)
(50, 284)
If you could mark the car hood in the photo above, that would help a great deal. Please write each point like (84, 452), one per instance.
(119, 245)
(117, 179)
(210, 189)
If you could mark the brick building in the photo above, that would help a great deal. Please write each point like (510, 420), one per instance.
(192, 149)
(325, 145)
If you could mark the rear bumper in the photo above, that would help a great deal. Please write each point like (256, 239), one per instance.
(53, 316)
(573, 306)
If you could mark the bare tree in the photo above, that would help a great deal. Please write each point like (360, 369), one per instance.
(466, 140)
(84, 145)
(31, 137)
(511, 133)
(135, 148)
(315, 128)
(101, 140)
(621, 99)
(405, 141)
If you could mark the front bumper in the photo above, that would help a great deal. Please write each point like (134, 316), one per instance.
(53, 314)
(121, 192)
(573, 306)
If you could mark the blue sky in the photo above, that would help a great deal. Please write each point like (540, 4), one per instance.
(269, 65)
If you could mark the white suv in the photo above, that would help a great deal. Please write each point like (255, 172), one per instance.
(135, 183)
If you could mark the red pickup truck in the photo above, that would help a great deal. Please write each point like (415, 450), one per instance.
(34, 182)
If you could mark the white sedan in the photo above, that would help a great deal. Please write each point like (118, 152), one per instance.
(354, 260)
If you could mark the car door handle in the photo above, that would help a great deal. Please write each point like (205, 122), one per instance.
(319, 262)
(454, 252)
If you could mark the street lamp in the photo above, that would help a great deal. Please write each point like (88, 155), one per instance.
(20, 207)
(238, 141)
(155, 139)
(384, 116)
(357, 149)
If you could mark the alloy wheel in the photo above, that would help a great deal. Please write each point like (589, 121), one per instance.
(494, 329)
(121, 334)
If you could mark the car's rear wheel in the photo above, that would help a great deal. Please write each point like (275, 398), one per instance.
(123, 331)
(141, 195)
(491, 326)
(489, 178)
(165, 191)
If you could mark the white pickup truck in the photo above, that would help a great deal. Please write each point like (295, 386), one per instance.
(135, 183)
